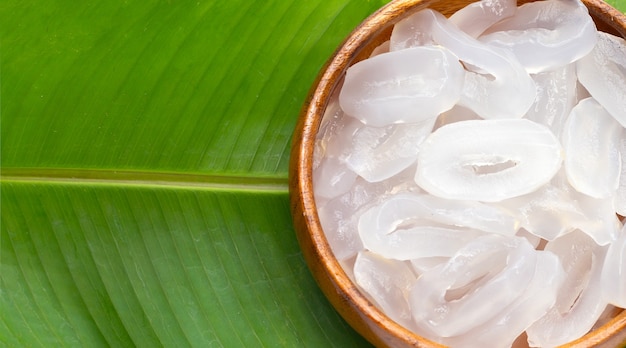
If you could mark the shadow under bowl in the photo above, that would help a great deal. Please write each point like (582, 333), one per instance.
(343, 294)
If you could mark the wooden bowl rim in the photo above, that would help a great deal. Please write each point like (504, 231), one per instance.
(304, 211)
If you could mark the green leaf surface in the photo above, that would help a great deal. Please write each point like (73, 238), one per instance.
(144, 172)
(191, 86)
(144, 157)
(123, 264)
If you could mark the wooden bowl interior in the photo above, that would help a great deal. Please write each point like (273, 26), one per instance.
(345, 297)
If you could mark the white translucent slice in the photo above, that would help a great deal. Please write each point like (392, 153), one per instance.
(557, 94)
(591, 141)
(332, 178)
(481, 279)
(456, 114)
(547, 212)
(578, 253)
(619, 201)
(602, 225)
(339, 143)
(603, 73)
(334, 138)
(377, 153)
(387, 282)
(403, 209)
(579, 302)
(402, 87)
(374, 153)
(476, 17)
(414, 240)
(318, 153)
(556, 209)
(339, 224)
(333, 118)
(489, 160)
(331, 122)
(514, 319)
(425, 264)
(614, 272)
(339, 216)
(401, 182)
(499, 87)
(545, 35)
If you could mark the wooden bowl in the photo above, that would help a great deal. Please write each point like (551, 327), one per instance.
(345, 297)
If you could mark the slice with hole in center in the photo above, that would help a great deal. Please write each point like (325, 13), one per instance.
(488, 160)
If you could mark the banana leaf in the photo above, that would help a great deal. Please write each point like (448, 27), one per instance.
(144, 158)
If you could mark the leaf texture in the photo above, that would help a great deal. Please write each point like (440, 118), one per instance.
(203, 86)
(124, 265)
(144, 166)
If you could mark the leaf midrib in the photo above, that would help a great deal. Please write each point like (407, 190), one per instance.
(113, 177)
